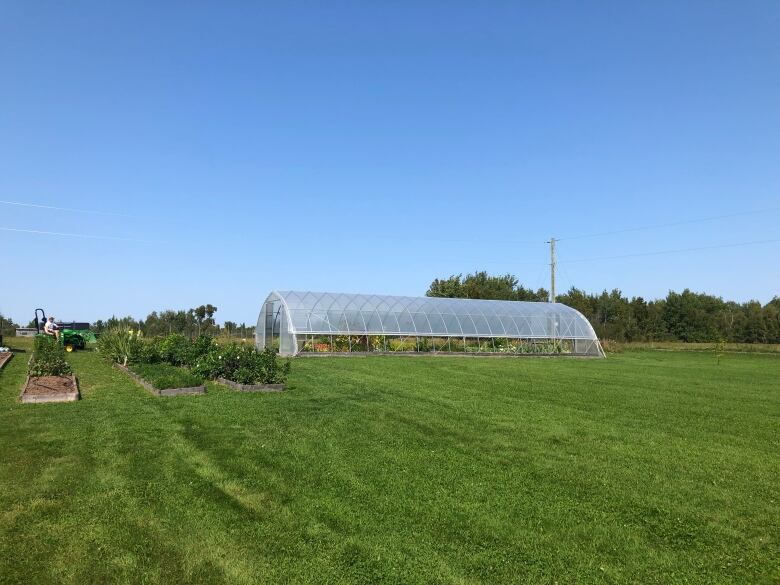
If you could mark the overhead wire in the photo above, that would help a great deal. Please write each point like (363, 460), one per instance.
(70, 209)
(671, 224)
(566, 276)
(679, 250)
(74, 235)
(562, 262)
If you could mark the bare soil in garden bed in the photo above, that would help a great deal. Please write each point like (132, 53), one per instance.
(4, 357)
(50, 389)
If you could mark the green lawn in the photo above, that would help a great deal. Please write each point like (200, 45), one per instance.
(647, 467)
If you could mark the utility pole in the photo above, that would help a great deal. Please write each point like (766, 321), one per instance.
(552, 270)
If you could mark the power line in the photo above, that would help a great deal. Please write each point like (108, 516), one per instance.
(660, 252)
(568, 279)
(473, 240)
(672, 224)
(68, 235)
(70, 209)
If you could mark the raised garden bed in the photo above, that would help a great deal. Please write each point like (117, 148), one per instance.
(251, 387)
(198, 389)
(5, 357)
(496, 354)
(50, 389)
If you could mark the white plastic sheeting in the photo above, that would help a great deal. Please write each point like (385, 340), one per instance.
(289, 316)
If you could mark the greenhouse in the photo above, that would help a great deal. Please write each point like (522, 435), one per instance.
(301, 322)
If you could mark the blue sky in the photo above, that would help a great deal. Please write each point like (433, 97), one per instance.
(373, 146)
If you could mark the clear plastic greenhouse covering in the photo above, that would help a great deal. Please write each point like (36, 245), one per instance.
(303, 321)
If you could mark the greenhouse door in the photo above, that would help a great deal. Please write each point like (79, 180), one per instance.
(272, 324)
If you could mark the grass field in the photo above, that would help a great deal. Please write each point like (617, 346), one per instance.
(647, 467)
(620, 346)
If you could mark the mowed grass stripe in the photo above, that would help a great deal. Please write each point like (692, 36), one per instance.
(645, 467)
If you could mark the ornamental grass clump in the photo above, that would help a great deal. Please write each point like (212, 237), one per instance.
(243, 364)
(48, 358)
(121, 346)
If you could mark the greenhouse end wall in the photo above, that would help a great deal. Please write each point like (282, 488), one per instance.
(303, 322)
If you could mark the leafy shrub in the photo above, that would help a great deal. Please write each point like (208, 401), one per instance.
(243, 364)
(272, 370)
(43, 345)
(175, 349)
(240, 363)
(402, 344)
(163, 376)
(151, 351)
(341, 343)
(48, 358)
(120, 345)
(202, 345)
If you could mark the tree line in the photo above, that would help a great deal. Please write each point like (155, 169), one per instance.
(686, 316)
(7, 326)
(191, 323)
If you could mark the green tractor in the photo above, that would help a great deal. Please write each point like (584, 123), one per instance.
(72, 335)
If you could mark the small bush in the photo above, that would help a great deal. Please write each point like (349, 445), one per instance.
(48, 358)
(151, 352)
(175, 349)
(402, 344)
(272, 370)
(202, 345)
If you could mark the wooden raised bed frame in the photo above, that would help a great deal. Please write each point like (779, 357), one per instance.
(166, 391)
(251, 387)
(5, 357)
(53, 397)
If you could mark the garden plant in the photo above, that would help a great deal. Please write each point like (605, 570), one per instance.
(243, 364)
(120, 345)
(48, 358)
(177, 359)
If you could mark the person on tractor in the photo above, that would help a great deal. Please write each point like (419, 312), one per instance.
(51, 328)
